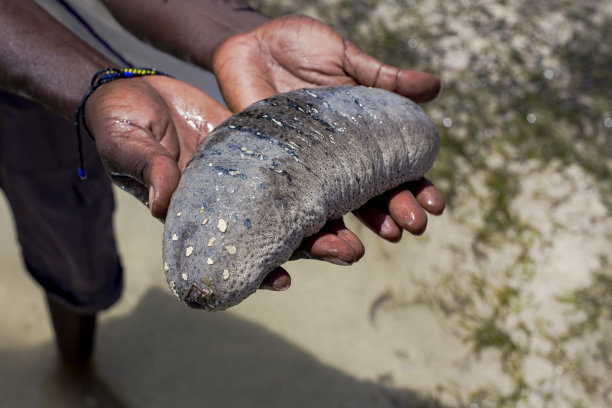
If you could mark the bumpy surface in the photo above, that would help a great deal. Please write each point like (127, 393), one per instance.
(274, 173)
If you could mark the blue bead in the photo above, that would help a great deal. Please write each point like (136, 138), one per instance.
(82, 173)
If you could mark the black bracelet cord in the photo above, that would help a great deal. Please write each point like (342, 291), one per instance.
(100, 78)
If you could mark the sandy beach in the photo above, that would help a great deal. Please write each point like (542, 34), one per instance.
(374, 334)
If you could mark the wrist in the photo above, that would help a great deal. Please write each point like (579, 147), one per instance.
(239, 21)
(42, 60)
(189, 29)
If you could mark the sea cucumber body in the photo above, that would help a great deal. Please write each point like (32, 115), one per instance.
(275, 173)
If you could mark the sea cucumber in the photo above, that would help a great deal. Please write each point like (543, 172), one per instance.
(275, 173)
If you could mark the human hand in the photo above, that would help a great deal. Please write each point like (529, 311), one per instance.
(296, 51)
(403, 208)
(146, 129)
(299, 52)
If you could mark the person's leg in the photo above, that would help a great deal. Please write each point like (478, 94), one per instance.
(74, 332)
(64, 225)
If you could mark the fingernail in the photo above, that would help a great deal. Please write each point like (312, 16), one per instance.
(151, 197)
(336, 261)
(280, 286)
(388, 227)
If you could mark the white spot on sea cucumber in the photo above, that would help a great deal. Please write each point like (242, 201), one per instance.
(211, 241)
(166, 266)
(205, 221)
(222, 225)
(232, 127)
(184, 276)
(209, 261)
(231, 249)
(172, 284)
(174, 237)
(209, 164)
(178, 214)
(277, 122)
(202, 210)
(225, 274)
(247, 151)
(233, 172)
(314, 95)
(188, 251)
(326, 104)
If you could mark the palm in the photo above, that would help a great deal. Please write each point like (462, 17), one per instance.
(296, 52)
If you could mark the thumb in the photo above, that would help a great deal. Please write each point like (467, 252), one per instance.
(162, 175)
(141, 166)
(366, 70)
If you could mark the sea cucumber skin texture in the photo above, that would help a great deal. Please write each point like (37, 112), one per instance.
(275, 173)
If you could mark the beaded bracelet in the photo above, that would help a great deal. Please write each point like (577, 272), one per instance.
(100, 78)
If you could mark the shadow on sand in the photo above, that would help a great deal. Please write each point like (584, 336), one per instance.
(163, 355)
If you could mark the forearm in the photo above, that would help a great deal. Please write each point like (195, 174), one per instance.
(42, 60)
(188, 29)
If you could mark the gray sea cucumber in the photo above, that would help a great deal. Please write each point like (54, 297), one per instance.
(274, 173)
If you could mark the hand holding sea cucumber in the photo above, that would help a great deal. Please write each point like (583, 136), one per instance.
(146, 129)
(296, 51)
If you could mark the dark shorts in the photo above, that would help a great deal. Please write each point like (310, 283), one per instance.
(64, 225)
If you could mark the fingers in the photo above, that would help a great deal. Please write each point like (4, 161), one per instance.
(403, 208)
(375, 216)
(277, 280)
(366, 70)
(428, 196)
(335, 243)
(416, 85)
(406, 211)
